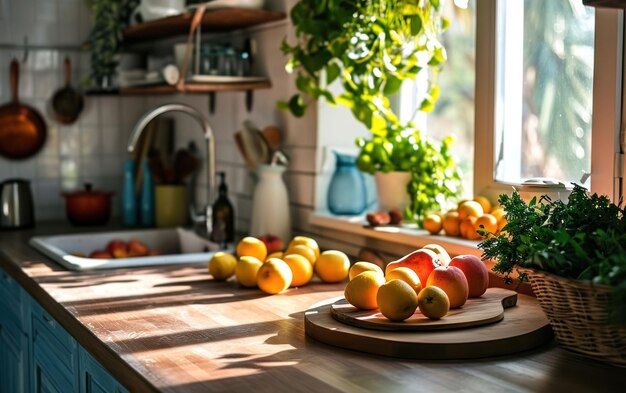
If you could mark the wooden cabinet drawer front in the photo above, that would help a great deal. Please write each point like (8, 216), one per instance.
(50, 327)
(95, 378)
(48, 379)
(47, 346)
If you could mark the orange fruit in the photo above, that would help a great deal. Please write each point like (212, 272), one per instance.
(407, 275)
(468, 227)
(470, 209)
(303, 250)
(396, 300)
(362, 290)
(501, 224)
(275, 254)
(251, 247)
(433, 223)
(451, 224)
(361, 267)
(222, 266)
(274, 276)
(332, 266)
(301, 269)
(305, 241)
(433, 302)
(488, 222)
(246, 270)
(498, 213)
(484, 202)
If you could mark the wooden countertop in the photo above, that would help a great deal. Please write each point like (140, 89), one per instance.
(176, 330)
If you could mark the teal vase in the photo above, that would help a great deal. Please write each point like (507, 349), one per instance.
(346, 192)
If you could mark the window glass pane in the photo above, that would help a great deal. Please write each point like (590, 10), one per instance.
(544, 89)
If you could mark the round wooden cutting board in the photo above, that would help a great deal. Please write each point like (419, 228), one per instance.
(523, 327)
(489, 308)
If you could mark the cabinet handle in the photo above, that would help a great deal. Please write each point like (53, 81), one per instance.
(49, 320)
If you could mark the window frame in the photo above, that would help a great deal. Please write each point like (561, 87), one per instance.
(607, 101)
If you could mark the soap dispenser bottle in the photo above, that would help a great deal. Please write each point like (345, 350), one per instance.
(223, 215)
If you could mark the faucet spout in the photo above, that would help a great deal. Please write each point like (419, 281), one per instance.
(210, 144)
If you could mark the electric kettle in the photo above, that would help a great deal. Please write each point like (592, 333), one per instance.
(16, 204)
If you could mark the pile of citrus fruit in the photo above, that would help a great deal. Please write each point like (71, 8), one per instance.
(275, 271)
(426, 278)
(467, 219)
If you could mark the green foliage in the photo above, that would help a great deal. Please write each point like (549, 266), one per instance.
(583, 239)
(372, 46)
(110, 17)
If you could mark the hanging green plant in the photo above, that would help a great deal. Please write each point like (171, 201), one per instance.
(110, 17)
(372, 47)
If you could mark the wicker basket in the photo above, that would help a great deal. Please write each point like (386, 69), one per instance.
(577, 311)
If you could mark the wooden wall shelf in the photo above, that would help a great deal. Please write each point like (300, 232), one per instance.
(226, 19)
(606, 3)
(195, 88)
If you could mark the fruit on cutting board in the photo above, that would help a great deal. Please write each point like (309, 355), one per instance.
(475, 272)
(422, 262)
(272, 243)
(251, 247)
(274, 276)
(246, 270)
(332, 266)
(433, 302)
(407, 275)
(305, 241)
(305, 251)
(222, 266)
(301, 269)
(396, 300)
(453, 282)
(362, 290)
(361, 267)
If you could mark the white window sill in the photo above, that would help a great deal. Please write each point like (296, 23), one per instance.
(357, 225)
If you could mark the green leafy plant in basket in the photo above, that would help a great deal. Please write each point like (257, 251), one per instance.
(583, 239)
(371, 47)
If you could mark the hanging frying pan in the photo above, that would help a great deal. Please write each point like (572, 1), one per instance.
(22, 129)
(67, 102)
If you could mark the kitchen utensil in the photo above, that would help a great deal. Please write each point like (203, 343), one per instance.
(16, 200)
(272, 137)
(22, 129)
(67, 103)
(156, 166)
(244, 153)
(185, 164)
(254, 144)
(88, 207)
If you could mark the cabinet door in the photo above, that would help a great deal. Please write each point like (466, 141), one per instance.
(12, 362)
(94, 378)
(47, 378)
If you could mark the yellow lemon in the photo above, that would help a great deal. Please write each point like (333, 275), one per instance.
(251, 247)
(470, 209)
(306, 241)
(407, 275)
(275, 254)
(361, 291)
(301, 269)
(246, 270)
(433, 302)
(274, 276)
(361, 267)
(332, 266)
(303, 250)
(222, 266)
(484, 202)
(396, 299)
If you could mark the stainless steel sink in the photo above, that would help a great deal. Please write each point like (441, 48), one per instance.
(178, 245)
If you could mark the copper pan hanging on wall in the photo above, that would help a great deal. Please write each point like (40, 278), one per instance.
(22, 129)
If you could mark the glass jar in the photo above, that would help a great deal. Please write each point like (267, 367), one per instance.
(346, 192)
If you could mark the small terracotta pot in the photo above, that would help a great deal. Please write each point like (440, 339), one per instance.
(88, 207)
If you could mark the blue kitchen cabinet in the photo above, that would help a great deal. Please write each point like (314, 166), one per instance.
(14, 359)
(38, 355)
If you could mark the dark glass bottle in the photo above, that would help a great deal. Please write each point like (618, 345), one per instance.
(223, 215)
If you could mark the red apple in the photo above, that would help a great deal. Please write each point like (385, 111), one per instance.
(272, 242)
(475, 271)
(421, 261)
(100, 254)
(453, 282)
(444, 257)
(155, 252)
(118, 248)
(137, 249)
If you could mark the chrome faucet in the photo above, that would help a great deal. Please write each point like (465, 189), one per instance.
(210, 144)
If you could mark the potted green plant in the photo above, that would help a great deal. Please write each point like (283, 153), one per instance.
(371, 47)
(574, 255)
(110, 17)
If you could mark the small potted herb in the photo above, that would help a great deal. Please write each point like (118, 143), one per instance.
(574, 255)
